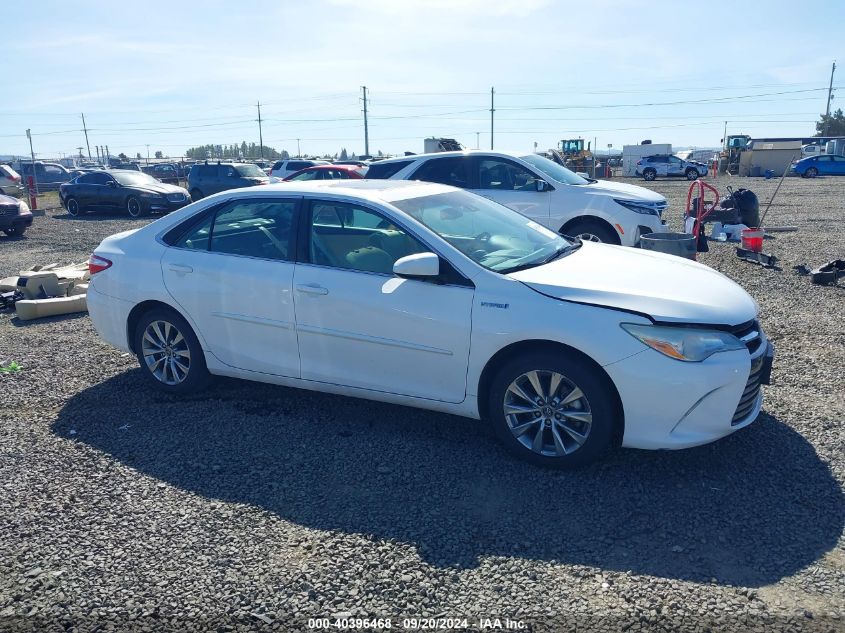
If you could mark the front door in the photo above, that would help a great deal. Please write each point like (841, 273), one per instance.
(361, 326)
(675, 166)
(512, 185)
(232, 273)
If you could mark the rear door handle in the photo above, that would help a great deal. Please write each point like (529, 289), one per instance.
(312, 289)
(181, 268)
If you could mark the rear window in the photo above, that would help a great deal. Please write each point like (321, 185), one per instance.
(296, 165)
(382, 171)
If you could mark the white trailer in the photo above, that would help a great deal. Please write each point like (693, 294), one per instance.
(632, 153)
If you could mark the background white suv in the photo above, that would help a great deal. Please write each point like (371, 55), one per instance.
(651, 167)
(284, 168)
(594, 210)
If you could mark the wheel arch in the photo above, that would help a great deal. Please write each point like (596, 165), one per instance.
(590, 218)
(498, 360)
(140, 310)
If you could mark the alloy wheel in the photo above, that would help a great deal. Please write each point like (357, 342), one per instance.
(547, 413)
(133, 207)
(166, 353)
(73, 207)
(588, 237)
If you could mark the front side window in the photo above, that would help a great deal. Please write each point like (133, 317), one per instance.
(454, 171)
(252, 228)
(495, 173)
(250, 171)
(553, 170)
(489, 233)
(351, 237)
(98, 179)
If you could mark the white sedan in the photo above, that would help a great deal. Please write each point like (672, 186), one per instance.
(429, 296)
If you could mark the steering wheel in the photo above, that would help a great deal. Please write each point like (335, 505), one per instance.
(483, 237)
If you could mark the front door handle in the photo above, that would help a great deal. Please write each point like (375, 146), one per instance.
(312, 289)
(181, 268)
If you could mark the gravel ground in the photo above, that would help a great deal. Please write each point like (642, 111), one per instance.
(258, 507)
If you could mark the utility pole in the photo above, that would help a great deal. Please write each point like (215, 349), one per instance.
(366, 129)
(97, 147)
(108, 156)
(298, 151)
(148, 153)
(79, 149)
(829, 97)
(492, 110)
(478, 140)
(260, 134)
(85, 129)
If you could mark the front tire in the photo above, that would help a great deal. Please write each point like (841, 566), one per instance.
(649, 174)
(552, 410)
(169, 353)
(591, 231)
(73, 208)
(812, 172)
(692, 174)
(15, 231)
(196, 194)
(133, 207)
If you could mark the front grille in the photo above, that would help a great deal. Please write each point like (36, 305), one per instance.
(749, 333)
(752, 390)
(175, 197)
(8, 209)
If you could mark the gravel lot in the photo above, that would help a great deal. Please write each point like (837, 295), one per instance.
(258, 507)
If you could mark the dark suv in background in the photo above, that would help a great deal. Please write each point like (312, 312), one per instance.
(205, 179)
(48, 176)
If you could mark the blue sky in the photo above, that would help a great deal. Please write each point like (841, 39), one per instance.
(178, 74)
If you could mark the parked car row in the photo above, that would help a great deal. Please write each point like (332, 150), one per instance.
(427, 295)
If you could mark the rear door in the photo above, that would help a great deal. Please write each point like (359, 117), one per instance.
(838, 165)
(231, 272)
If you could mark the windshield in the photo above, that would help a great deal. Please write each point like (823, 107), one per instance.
(138, 178)
(488, 233)
(553, 170)
(250, 171)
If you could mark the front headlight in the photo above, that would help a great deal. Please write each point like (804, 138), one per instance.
(682, 343)
(147, 194)
(24, 207)
(638, 207)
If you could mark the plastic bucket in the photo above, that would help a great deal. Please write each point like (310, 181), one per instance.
(680, 244)
(752, 239)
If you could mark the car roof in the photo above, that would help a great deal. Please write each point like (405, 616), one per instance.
(330, 166)
(466, 152)
(374, 190)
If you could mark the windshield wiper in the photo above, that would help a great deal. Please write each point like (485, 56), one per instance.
(559, 252)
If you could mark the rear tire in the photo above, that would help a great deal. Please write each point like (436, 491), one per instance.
(649, 174)
(692, 174)
(552, 410)
(73, 208)
(169, 353)
(592, 231)
(812, 172)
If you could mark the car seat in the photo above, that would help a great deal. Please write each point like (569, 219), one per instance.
(370, 259)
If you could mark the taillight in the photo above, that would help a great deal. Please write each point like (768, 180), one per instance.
(97, 264)
(639, 162)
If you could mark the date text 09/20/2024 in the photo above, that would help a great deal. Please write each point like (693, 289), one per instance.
(416, 624)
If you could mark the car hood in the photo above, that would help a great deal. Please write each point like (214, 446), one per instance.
(159, 187)
(624, 191)
(664, 287)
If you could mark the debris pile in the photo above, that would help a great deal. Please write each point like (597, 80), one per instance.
(45, 291)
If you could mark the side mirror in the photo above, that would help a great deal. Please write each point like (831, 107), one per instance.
(542, 185)
(111, 183)
(420, 265)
